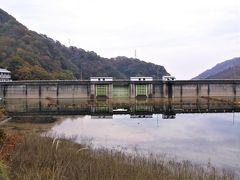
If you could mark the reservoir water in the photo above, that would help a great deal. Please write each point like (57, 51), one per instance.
(199, 130)
(200, 138)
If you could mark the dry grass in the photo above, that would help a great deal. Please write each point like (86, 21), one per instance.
(7, 145)
(44, 158)
(27, 125)
(2, 112)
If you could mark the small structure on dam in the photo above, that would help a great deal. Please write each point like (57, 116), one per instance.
(141, 86)
(101, 86)
(168, 78)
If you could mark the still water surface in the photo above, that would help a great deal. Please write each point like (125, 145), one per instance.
(196, 129)
(197, 137)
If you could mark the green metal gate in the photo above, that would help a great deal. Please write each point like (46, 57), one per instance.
(141, 90)
(120, 91)
(101, 90)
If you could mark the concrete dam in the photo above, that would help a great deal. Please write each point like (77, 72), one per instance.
(101, 87)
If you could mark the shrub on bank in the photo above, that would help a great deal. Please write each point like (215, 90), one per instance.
(3, 171)
(2, 112)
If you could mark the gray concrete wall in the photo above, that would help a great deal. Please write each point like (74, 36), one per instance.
(86, 89)
(73, 91)
(237, 90)
(203, 90)
(33, 91)
(189, 90)
(15, 91)
(132, 91)
(110, 90)
(157, 90)
(213, 88)
(66, 91)
(221, 90)
(177, 91)
(48, 91)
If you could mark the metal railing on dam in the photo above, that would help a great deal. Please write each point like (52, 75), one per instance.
(119, 88)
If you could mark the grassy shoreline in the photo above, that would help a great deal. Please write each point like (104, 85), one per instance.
(40, 157)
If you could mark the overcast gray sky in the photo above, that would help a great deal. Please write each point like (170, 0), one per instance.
(185, 36)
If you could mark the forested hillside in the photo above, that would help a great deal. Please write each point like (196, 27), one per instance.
(229, 69)
(30, 55)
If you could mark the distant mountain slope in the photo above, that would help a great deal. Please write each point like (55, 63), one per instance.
(30, 55)
(229, 69)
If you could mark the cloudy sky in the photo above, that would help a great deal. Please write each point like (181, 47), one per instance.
(187, 36)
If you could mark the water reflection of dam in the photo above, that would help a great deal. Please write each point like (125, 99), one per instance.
(107, 107)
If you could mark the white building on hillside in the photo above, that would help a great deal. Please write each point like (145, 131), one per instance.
(5, 75)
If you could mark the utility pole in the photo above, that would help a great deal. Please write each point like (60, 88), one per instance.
(69, 42)
(135, 54)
